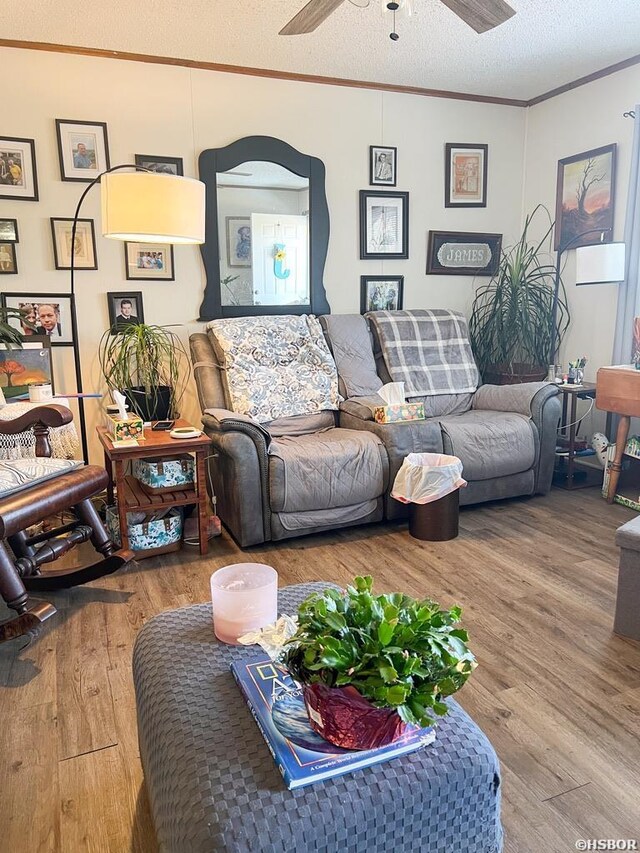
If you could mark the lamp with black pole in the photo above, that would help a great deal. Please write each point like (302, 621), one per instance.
(138, 206)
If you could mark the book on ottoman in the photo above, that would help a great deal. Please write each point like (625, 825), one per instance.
(302, 756)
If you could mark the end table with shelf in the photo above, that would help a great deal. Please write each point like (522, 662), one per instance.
(131, 495)
(569, 473)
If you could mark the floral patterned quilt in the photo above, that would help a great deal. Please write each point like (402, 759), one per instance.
(275, 367)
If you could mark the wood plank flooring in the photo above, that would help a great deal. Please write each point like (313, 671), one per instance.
(556, 692)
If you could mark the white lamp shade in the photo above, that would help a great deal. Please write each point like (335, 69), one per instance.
(600, 264)
(145, 207)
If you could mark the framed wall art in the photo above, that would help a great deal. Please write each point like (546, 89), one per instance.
(18, 175)
(384, 225)
(19, 368)
(463, 253)
(238, 230)
(125, 309)
(50, 313)
(8, 260)
(84, 257)
(381, 293)
(585, 196)
(83, 149)
(383, 163)
(465, 174)
(163, 165)
(151, 261)
(9, 231)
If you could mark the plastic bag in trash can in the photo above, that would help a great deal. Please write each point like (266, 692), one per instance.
(426, 477)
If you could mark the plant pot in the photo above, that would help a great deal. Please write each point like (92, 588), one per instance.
(342, 716)
(514, 374)
(155, 406)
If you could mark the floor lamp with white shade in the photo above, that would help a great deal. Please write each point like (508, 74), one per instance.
(139, 206)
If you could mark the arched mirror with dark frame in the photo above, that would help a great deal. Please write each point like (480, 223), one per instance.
(267, 230)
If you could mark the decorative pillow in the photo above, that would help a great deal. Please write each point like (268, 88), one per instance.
(19, 474)
(275, 367)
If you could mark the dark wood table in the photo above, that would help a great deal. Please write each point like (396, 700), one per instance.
(132, 496)
(618, 391)
(568, 476)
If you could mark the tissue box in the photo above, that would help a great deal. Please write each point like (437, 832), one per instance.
(121, 430)
(398, 414)
(159, 474)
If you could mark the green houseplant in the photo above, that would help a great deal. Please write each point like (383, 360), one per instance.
(510, 324)
(149, 365)
(9, 335)
(400, 655)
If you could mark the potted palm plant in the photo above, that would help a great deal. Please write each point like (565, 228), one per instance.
(371, 665)
(9, 335)
(510, 324)
(149, 365)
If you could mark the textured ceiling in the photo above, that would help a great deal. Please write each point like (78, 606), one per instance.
(546, 44)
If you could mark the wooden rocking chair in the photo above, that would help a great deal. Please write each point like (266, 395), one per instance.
(22, 555)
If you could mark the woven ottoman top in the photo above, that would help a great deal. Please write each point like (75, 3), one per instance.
(213, 785)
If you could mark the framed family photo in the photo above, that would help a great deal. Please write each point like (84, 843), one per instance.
(465, 174)
(463, 253)
(383, 166)
(84, 254)
(238, 241)
(384, 225)
(29, 365)
(163, 165)
(49, 313)
(381, 293)
(585, 196)
(153, 261)
(83, 149)
(18, 176)
(8, 260)
(9, 231)
(125, 309)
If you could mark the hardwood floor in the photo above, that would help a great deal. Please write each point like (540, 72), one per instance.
(556, 692)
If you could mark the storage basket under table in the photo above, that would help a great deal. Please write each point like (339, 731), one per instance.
(157, 474)
(158, 535)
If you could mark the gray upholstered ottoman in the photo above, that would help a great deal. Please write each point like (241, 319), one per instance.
(627, 618)
(213, 785)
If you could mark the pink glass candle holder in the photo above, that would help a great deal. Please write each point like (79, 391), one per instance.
(244, 597)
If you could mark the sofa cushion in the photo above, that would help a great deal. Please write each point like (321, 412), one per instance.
(490, 444)
(19, 474)
(334, 468)
(352, 349)
(275, 367)
(300, 424)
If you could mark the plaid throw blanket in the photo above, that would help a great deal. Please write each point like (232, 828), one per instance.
(427, 350)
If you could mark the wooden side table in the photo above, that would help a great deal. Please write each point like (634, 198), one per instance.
(569, 476)
(130, 494)
(618, 391)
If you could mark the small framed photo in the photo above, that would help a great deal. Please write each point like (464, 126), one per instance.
(238, 241)
(463, 253)
(381, 293)
(29, 365)
(125, 309)
(153, 261)
(163, 165)
(585, 196)
(384, 225)
(84, 252)
(18, 176)
(465, 174)
(50, 313)
(8, 260)
(383, 166)
(83, 149)
(9, 231)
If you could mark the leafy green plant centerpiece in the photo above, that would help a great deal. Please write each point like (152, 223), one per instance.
(373, 664)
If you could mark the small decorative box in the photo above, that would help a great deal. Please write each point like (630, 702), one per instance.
(159, 474)
(132, 428)
(145, 532)
(398, 414)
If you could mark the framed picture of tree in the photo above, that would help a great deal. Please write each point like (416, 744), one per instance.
(585, 197)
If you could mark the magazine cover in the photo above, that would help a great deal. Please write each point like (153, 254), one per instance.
(302, 756)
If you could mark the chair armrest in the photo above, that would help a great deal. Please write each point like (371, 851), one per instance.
(362, 407)
(225, 420)
(48, 416)
(525, 399)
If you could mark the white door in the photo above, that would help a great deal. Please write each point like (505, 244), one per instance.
(290, 231)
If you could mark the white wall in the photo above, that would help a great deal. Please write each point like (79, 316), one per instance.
(155, 109)
(579, 120)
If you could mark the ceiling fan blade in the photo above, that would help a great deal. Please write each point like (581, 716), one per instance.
(310, 17)
(482, 15)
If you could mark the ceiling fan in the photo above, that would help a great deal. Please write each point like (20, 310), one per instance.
(482, 15)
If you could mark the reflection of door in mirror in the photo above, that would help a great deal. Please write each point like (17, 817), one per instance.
(263, 213)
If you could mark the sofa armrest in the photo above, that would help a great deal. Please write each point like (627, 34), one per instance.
(362, 407)
(525, 399)
(226, 421)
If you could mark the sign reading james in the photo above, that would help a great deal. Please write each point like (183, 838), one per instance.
(463, 253)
